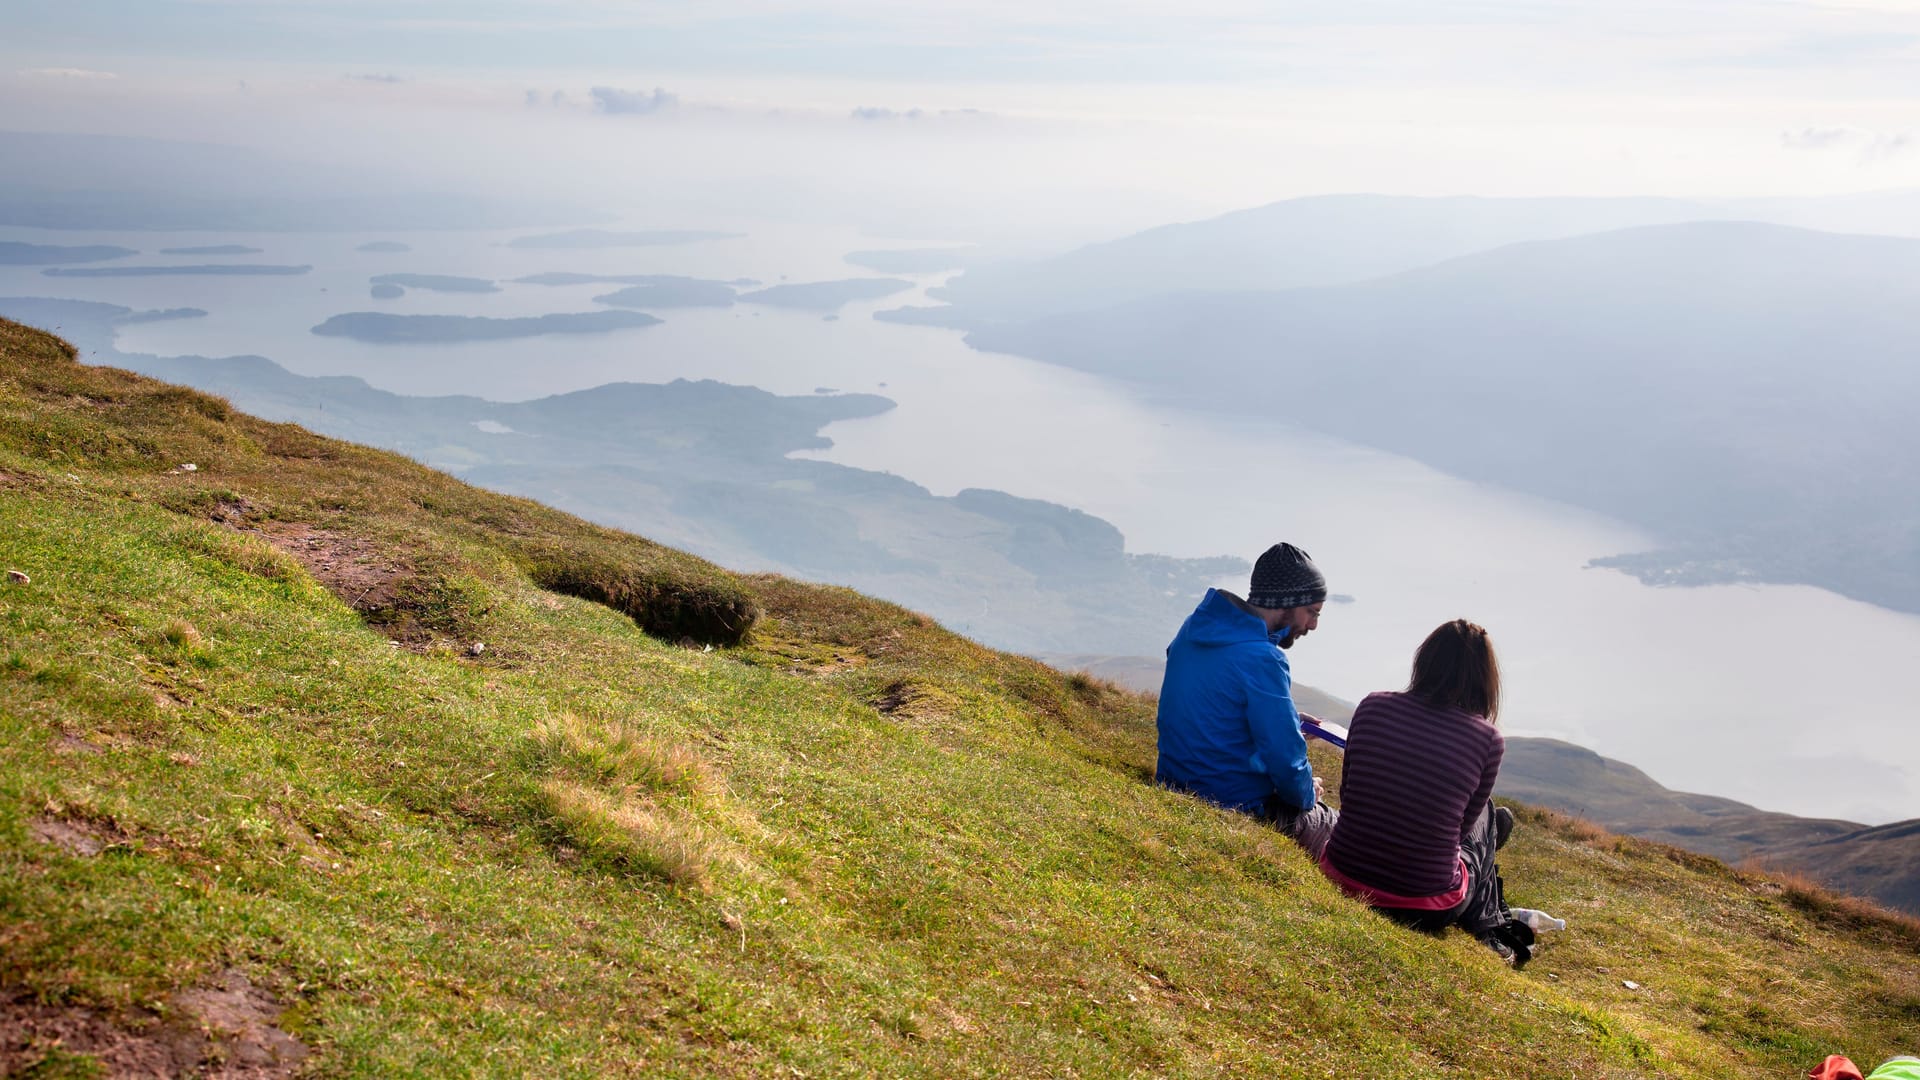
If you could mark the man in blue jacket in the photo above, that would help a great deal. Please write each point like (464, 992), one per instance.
(1229, 732)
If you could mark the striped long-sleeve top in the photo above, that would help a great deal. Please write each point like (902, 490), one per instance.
(1414, 782)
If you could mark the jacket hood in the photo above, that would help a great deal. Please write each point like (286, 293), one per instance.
(1223, 619)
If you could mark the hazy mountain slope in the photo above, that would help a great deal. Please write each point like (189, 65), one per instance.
(1887, 213)
(1880, 862)
(1322, 240)
(1743, 391)
(237, 823)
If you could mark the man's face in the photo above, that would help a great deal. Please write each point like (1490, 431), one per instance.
(1301, 621)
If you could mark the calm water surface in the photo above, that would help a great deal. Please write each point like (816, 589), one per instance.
(1790, 698)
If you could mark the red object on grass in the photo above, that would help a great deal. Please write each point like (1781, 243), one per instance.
(1837, 1067)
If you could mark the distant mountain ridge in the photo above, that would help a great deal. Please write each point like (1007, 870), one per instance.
(1741, 390)
(1345, 238)
(1318, 240)
(1879, 861)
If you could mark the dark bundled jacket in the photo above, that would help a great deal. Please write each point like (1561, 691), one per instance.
(1228, 728)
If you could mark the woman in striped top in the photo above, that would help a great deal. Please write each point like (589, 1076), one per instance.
(1416, 833)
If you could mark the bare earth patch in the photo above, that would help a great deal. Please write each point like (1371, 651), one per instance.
(30, 1033)
(228, 1030)
(69, 744)
(241, 1020)
(358, 571)
(82, 838)
(10, 480)
(363, 574)
(894, 698)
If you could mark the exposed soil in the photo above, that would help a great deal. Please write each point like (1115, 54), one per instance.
(82, 838)
(363, 574)
(9, 479)
(31, 1032)
(357, 571)
(68, 744)
(241, 1020)
(896, 696)
(228, 1030)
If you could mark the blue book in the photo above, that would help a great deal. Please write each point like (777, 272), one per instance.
(1332, 733)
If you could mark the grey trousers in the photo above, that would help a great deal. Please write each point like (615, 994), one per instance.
(1310, 828)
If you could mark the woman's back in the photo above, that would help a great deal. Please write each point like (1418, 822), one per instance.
(1415, 778)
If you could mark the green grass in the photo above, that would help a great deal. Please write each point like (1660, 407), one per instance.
(842, 841)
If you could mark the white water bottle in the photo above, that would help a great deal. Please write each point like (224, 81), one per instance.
(1537, 920)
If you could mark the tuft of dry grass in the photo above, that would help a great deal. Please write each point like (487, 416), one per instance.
(627, 801)
(1838, 910)
(181, 634)
(1092, 689)
(1579, 830)
(631, 835)
(613, 755)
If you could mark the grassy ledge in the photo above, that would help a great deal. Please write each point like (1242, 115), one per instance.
(315, 761)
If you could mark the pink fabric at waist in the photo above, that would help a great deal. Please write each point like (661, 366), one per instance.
(1382, 898)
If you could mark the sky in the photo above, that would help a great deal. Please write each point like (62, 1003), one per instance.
(1120, 112)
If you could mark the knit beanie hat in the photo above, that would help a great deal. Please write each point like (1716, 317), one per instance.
(1285, 577)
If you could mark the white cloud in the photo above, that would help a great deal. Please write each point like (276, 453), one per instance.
(615, 101)
(1886, 146)
(67, 73)
(874, 113)
(1816, 138)
(1871, 147)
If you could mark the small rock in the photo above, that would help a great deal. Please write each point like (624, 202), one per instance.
(1629, 984)
(188, 467)
(476, 648)
(19, 577)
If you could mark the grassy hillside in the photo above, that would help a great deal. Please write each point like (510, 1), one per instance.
(1881, 862)
(312, 759)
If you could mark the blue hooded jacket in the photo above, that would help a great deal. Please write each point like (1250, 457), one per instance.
(1228, 729)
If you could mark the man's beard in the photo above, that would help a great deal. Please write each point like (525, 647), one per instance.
(1287, 642)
